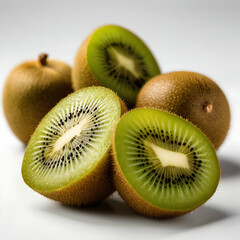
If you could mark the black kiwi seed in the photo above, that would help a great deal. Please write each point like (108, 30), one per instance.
(125, 76)
(189, 177)
(73, 148)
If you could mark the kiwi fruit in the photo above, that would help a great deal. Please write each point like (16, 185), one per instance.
(115, 58)
(164, 166)
(67, 158)
(192, 96)
(31, 90)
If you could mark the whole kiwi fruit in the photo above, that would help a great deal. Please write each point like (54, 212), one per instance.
(116, 58)
(31, 90)
(68, 156)
(164, 166)
(194, 97)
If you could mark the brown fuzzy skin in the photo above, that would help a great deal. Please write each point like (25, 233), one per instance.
(82, 75)
(92, 188)
(194, 97)
(31, 90)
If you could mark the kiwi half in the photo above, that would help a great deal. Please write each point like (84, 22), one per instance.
(164, 166)
(67, 158)
(192, 96)
(114, 57)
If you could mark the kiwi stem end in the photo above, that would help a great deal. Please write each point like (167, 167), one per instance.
(43, 59)
(207, 107)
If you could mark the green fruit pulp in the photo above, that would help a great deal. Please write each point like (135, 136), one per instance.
(120, 61)
(84, 122)
(166, 160)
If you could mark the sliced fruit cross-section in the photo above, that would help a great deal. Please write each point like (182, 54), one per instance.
(114, 57)
(67, 158)
(164, 165)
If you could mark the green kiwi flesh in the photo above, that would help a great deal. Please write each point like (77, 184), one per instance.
(70, 143)
(120, 61)
(163, 160)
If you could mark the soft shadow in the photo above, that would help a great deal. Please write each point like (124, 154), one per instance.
(114, 212)
(229, 167)
(100, 214)
(202, 216)
(19, 147)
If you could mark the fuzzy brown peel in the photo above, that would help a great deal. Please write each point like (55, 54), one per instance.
(194, 97)
(30, 91)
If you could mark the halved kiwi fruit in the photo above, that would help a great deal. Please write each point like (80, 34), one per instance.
(192, 96)
(114, 57)
(67, 158)
(31, 90)
(164, 166)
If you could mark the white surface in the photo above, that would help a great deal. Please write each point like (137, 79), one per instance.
(201, 36)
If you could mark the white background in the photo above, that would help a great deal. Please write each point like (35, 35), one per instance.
(201, 36)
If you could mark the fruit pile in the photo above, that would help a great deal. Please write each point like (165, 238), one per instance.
(159, 156)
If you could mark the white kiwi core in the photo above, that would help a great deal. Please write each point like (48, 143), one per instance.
(125, 62)
(69, 135)
(167, 157)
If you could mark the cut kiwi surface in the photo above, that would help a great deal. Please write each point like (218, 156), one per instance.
(67, 158)
(164, 165)
(114, 57)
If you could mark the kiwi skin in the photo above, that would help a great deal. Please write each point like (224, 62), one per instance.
(82, 75)
(83, 193)
(31, 90)
(194, 97)
(133, 199)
